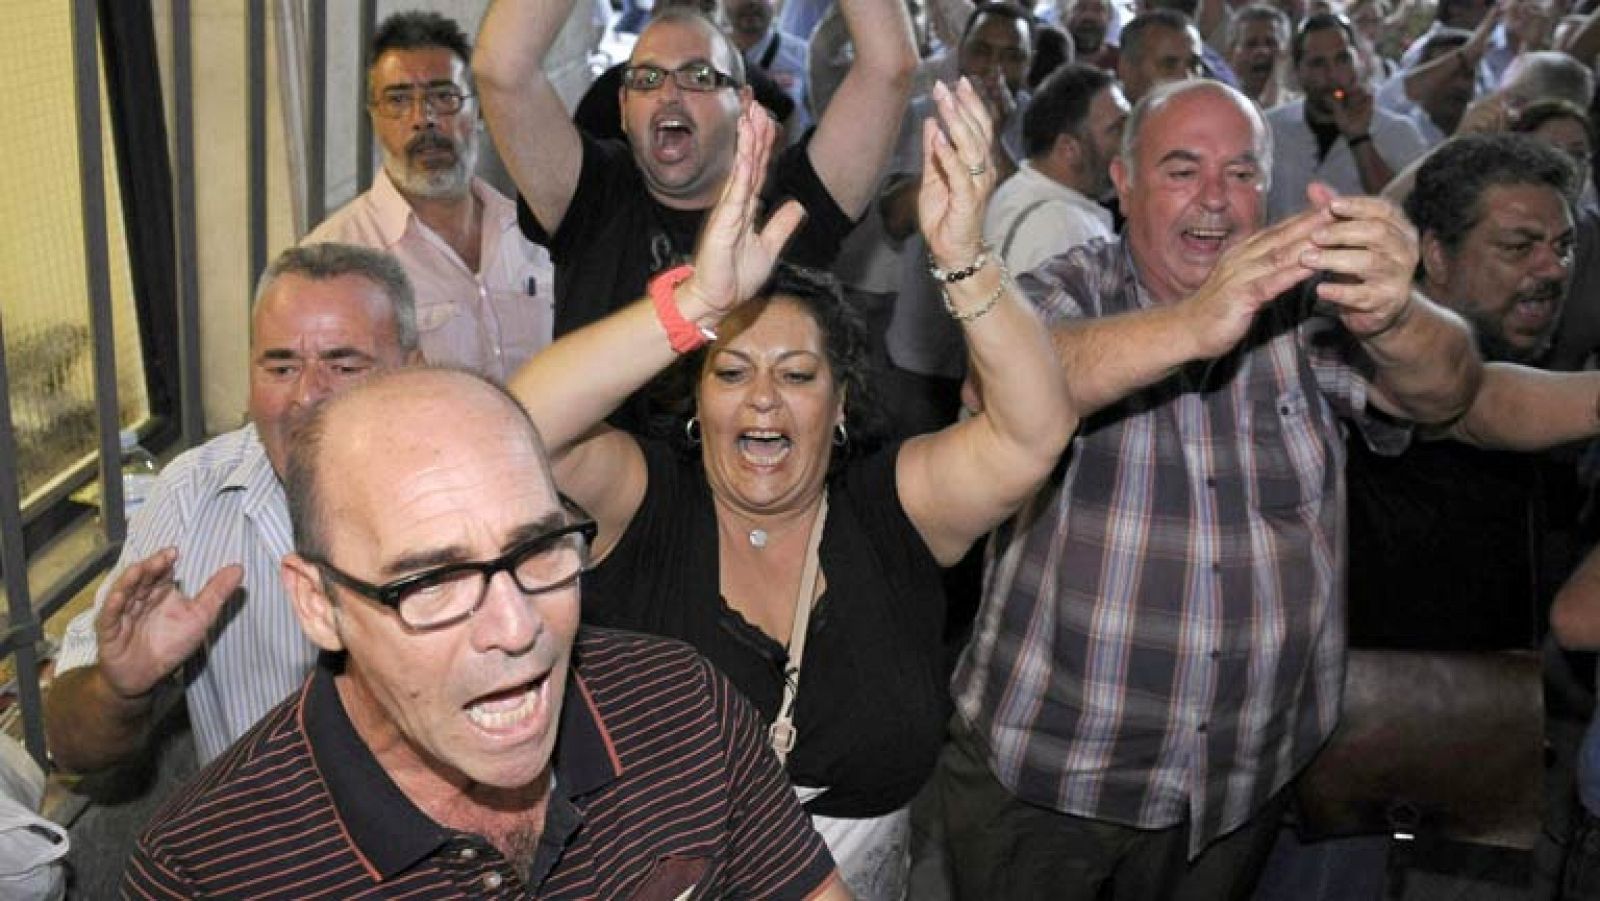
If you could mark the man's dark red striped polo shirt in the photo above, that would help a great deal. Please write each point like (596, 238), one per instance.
(663, 784)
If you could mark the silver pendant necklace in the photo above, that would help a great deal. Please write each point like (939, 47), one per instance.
(758, 538)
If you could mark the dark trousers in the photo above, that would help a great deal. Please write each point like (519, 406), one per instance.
(1003, 848)
(1580, 875)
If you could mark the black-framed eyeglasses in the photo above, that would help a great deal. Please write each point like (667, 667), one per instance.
(446, 595)
(443, 100)
(696, 76)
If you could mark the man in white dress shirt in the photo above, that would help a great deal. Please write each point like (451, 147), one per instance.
(195, 602)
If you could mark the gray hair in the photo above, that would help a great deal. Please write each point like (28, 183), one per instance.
(1161, 95)
(322, 262)
(1549, 75)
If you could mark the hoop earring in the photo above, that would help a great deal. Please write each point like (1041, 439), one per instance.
(691, 431)
(840, 436)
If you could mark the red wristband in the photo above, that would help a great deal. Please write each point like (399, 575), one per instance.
(683, 335)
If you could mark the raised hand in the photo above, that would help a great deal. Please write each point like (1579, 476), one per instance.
(147, 627)
(956, 175)
(1489, 114)
(733, 258)
(1352, 112)
(1371, 251)
(1479, 41)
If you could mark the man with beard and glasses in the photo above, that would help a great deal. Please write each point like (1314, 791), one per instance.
(616, 215)
(194, 604)
(484, 292)
(1443, 537)
(1070, 131)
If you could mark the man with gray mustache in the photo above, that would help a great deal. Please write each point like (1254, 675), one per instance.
(485, 294)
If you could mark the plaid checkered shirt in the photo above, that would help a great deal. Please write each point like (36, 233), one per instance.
(1162, 632)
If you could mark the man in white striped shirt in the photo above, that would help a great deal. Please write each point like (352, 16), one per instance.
(217, 525)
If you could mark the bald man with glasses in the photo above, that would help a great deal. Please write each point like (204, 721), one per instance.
(461, 736)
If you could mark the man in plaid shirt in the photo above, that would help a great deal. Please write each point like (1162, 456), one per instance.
(1160, 648)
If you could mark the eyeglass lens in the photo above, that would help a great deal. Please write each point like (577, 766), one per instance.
(542, 565)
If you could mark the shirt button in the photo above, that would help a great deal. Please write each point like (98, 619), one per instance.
(1200, 728)
(492, 881)
(1211, 481)
(469, 854)
(1216, 653)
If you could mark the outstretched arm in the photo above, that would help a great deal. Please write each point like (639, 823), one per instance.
(572, 385)
(958, 483)
(96, 716)
(530, 125)
(1106, 359)
(1525, 409)
(858, 129)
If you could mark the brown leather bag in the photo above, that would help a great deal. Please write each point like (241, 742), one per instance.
(1433, 743)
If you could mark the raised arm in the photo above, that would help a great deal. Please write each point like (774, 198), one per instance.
(571, 386)
(858, 129)
(1427, 368)
(1583, 42)
(947, 18)
(1525, 409)
(958, 483)
(530, 125)
(1426, 79)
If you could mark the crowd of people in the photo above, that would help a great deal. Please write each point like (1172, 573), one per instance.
(931, 450)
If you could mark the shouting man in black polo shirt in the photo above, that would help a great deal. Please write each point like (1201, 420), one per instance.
(614, 215)
(461, 736)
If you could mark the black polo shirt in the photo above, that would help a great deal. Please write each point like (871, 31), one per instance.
(662, 784)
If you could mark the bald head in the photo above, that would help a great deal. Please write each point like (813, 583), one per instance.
(402, 426)
(1152, 107)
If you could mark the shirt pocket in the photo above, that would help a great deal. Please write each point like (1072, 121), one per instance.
(1288, 455)
(434, 316)
(672, 878)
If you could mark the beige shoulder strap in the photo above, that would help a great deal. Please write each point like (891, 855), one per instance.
(782, 732)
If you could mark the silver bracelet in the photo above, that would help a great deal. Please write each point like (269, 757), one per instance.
(951, 276)
(982, 309)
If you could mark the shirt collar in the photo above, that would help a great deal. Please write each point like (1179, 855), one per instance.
(1128, 273)
(1040, 183)
(388, 833)
(394, 215)
(391, 210)
(253, 474)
